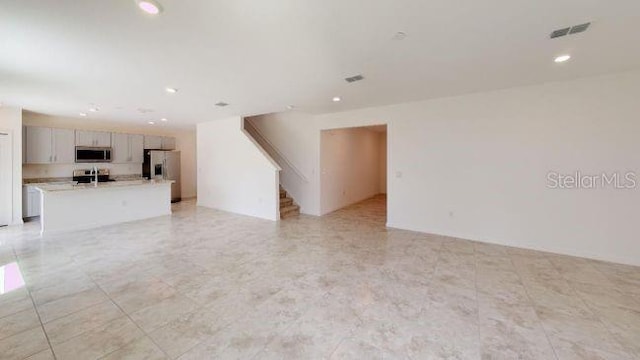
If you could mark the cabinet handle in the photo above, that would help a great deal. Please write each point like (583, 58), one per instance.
(55, 158)
(49, 158)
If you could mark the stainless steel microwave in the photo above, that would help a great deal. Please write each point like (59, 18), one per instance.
(93, 154)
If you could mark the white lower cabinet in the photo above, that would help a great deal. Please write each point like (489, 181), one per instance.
(30, 201)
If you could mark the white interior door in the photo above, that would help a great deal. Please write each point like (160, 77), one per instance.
(6, 174)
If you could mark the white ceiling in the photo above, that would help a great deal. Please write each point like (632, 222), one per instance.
(58, 57)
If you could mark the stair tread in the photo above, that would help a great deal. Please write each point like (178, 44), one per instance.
(285, 202)
(288, 207)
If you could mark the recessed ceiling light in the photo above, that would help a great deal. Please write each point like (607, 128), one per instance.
(290, 107)
(83, 114)
(171, 90)
(151, 122)
(150, 6)
(562, 58)
(94, 109)
(337, 99)
(164, 119)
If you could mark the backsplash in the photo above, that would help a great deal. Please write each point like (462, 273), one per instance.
(39, 171)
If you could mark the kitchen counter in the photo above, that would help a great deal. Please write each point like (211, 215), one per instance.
(72, 186)
(67, 206)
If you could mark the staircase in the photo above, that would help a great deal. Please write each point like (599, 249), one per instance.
(287, 207)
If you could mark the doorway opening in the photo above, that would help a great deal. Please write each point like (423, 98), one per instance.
(353, 164)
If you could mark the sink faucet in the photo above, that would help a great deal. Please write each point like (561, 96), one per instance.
(94, 172)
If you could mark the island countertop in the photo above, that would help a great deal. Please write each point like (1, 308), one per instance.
(108, 203)
(70, 186)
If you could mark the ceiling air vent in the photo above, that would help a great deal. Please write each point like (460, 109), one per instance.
(354, 78)
(560, 32)
(222, 104)
(570, 30)
(579, 28)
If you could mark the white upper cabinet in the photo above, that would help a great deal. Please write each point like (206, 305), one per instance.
(93, 138)
(137, 148)
(128, 148)
(63, 146)
(43, 145)
(103, 139)
(121, 148)
(24, 144)
(46, 145)
(85, 138)
(153, 142)
(168, 143)
(38, 145)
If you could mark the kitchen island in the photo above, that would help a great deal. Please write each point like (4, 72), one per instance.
(72, 206)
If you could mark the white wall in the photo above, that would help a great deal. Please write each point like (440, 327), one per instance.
(11, 120)
(382, 171)
(233, 173)
(292, 133)
(475, 166)
(185, 143)
(350, 167)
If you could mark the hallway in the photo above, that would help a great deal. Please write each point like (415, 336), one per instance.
(208, 284)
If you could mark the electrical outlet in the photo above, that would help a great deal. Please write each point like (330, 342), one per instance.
(398, 174)
(450, 214)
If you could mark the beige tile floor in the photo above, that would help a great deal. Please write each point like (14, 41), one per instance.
(204, 284)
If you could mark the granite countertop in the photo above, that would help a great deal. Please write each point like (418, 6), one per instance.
(71, 186)
(47, 181)
(61, 180)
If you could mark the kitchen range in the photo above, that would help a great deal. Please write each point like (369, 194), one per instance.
(104, 199)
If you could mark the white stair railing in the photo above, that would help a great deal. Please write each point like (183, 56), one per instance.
(272, 150)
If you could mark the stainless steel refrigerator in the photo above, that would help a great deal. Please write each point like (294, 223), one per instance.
(165, 165)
